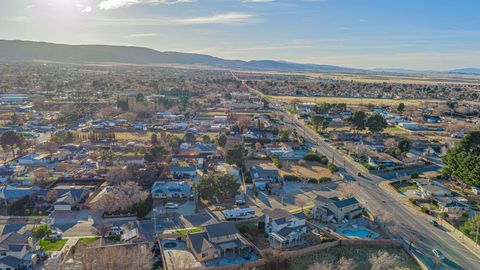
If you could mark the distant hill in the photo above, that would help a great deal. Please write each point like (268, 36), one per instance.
(466, 71)
(28, 51)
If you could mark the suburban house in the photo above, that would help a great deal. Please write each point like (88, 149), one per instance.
(433, 189)
(218, 241)
(231, 169)
(329, 209)
(11, 193)
(184, 171)
(16, 251)
(34, 160)
(261, 176)
(451, 206)
(67, 199)
(163, 190)
(284, 229)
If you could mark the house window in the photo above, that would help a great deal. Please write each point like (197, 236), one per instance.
(3, 254)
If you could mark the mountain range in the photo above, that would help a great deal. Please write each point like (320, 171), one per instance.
(30, 51)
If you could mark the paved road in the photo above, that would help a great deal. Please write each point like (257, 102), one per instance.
(407, 224)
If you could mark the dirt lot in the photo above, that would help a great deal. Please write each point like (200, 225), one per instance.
(310, 169)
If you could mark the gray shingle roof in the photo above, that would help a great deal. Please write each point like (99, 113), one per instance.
(221, 229)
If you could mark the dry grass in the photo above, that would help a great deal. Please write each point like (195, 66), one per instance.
(354, 101)
(310, 169)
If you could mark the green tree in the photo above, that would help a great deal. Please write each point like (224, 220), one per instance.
(217, 186)
(206, 139)
(234, 155)
(41, 231)
(462, 161)
(10, 140)
(222, 140)
(471, 228)
(317, 121)
(333, 168)
(140, 98)
(404, 146)
(276, 161)
(401, 107)
(357, 120)
(376, 123)
(189, 137)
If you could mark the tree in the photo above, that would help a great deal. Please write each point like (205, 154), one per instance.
(462, 161)
(317, 121)
(234, 155)
(122, 197)
(376, 123)
(390, 143)
(357, 120)
(347, 190)
(189, 137)
(206, 139)
(40, 175)
(244, 122)
(52, 147)
(10, 140)
(346, 264)
(301, 200)
(154, 138)
(332, 168)
(217, 186)
(471, 228)
(138, 257)
(404, 146)
(156, 154)
(41, 231)
(222, 140)
(52, 195)
(117, 175)
(382, 260)
(401, 107)
(324, 265)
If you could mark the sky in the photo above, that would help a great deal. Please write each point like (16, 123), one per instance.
(413, 34)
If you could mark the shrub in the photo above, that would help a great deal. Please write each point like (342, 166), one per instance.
(291, 177)
(332, 168)
(276, 161)
(144, 207)
(424, 210)
(324, 179)
(41, 231)
(316, 158)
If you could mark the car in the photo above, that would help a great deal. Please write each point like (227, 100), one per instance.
(435, 223)
(359, 174)
(171, 206)
(438, 254)
(191, 197)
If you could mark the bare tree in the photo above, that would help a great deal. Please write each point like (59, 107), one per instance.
(325, 265)
(391, 143)
(117, 175)
(40, 175)
(382, 260)
(244, 122)
(101, 228)
(301, 200)
(52, 195)
(346, 264)
(347, 190)
(52, 147)
(122, 197)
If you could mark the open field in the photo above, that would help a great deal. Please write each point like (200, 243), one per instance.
(355, 101)
(310, 169)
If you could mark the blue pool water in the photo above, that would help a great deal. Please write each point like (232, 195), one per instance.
(233, 260)
(361, 232)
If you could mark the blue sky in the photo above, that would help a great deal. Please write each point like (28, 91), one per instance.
(418, 34)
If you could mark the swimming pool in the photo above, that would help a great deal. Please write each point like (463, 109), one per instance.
(359, 233)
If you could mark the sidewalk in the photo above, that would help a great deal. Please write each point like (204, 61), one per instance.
(454, 233)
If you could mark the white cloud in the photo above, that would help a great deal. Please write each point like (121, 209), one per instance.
(87, 9)
(257, 1)
(222, 18)
(115, 4)
(143, 35)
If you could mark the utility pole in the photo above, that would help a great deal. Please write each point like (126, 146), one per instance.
(154, 221)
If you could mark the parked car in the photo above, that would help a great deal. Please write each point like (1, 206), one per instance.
(438, 254)
(171, 206)
(239, 199)
(359, 174)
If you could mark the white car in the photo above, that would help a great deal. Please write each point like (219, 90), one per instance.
(438, 254)
(171, 206)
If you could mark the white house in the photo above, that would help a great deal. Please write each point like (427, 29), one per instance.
(284, 229)
(163, 190)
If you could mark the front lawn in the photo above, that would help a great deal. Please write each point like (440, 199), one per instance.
(48, 245)
(184, 232)
(87, 241)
